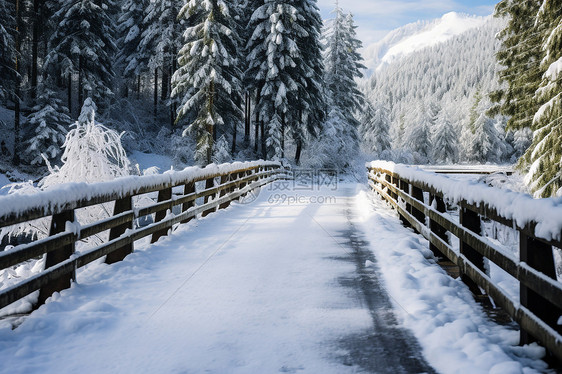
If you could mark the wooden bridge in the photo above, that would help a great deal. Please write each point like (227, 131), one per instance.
(427, 203)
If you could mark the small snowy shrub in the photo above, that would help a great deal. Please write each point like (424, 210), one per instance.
(92, 153)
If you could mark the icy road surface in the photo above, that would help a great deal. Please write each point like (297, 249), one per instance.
(294, 282)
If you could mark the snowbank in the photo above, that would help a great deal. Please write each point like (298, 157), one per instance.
(519, 207)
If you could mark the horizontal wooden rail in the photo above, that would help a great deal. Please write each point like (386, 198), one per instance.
(540, 305)
(236, 180)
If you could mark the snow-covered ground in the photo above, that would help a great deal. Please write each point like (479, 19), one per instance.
(258, 288)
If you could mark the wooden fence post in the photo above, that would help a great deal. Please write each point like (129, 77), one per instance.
(471, 221)
(121, 205)
(436, 228)
(417, 194)
(189, 188)
(404, 186)
(209, 183)
(224, 179)
(539, 256)
(58, 225)
(163, 195)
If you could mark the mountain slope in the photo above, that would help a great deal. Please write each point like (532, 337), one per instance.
(417, 36)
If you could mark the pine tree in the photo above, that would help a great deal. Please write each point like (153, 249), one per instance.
(160, 41)
(7, 26)
(520, 54)
(481, 140)
(522, 140)
(444, 140)
(131, 26)
(48, 123)
(544, 156)
(83, 45)
(309, 107)
(485, 141)
(208, 79)
(418, 136)
(343, 65)
(375, 127)
(275, 58)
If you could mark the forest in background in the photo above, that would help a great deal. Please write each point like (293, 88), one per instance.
(215, 81)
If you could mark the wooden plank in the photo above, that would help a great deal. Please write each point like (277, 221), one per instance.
(538, 256)
(471, 221)
(209, 184)
(163, 195)
(95, 198)
(121, 205)
(58, 225)
(482, 209)
(435, 227)
(189, 189)
(224, 181)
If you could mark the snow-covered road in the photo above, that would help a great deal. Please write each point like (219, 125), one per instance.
(293, 282)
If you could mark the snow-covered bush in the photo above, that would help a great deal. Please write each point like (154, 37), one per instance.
(92, 153)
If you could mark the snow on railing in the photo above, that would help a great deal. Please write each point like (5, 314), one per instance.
(546, 214)
(222, 184)
(538, 222)
(74, 195)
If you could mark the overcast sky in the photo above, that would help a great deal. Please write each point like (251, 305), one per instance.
(375, 18)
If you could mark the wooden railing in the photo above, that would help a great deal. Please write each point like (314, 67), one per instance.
(421, 204)
(222, 184)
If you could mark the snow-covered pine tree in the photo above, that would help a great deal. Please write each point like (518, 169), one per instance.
(7, 23)
(481, 141)
(329, 149)
(47, 125)
(208, 78)
(444, 139)
(522, 140)
(485, 140)
(520, 55)
(83, 45)
(343, 65)
(375, 129)
(309, 108)
(274, 53)
(131, 57)
(160, 41)
(418, 134)
(544, 157)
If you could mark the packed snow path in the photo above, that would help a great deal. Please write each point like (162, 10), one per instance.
(287, 283)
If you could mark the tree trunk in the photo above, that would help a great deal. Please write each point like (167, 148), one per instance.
(172, 102)
(299, 150)
(17, 90)
(212, 130)
(247, 120)
(257, 122)
(69, 82)
(283, 135)
(155, 92)
(35, 48)
(165, 83)
(138, 86)
(80, 83)
(263, 146)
